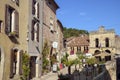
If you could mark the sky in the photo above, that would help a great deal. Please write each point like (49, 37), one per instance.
(89, 14)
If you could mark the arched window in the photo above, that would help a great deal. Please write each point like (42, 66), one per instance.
(96, 42)
(107, 42)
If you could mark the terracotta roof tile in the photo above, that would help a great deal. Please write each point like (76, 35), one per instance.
(79, 41)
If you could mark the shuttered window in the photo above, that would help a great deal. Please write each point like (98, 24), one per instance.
(12, 20)
(11, 64)
(33, 6)
(32, 30)
(36, 32)
(37, 10)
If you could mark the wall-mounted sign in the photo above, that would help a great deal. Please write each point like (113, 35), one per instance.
(55, 44)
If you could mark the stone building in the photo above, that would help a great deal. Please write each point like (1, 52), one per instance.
(102, 43)
(52, 28)
(76, 44)
(117, 43)
(60, 40)
(20, 32)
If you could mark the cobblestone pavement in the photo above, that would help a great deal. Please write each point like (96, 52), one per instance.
(54, 76)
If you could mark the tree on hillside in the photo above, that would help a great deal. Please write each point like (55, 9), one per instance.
(69, 32)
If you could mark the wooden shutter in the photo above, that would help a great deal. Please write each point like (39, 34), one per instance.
(33, 7)
(17, 22)
(37, 10)
(38, 32)
(20, 67)
(32, 30)
(11, 63)
(7, 20)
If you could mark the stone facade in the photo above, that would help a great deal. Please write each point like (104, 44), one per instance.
(76, 44)
(52, 28)
(24, 27)
(17, 35)
(117, 44)
(102, 41)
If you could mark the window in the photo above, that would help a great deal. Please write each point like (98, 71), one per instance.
(13, 62)
(107, 42)
(97, 42)
(78, 48)
(72, 51)
(51, 24)
(35, 31)
(33, 6)
(0, 26)
(36, 34)
(32, 30)
(12, 20)
(37, 10)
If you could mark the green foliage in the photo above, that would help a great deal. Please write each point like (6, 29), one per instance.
(64, 58)
(25, 66)
(53, 59)
(45, 54)
(45, 51)
(66, 61)
(80, 55)
(91, 61)
(45, 63)
(69, 32)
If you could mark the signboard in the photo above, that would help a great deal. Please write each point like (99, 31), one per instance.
(54, 67)
(55, 44)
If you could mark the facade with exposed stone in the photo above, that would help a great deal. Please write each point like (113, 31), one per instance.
(77, 44)
(20, 32)
(24, 27)
(52, 29)
(102, 43)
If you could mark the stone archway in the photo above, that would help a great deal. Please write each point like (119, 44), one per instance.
(108, 58)
(97, 52)
(108, 51)
(1, 62)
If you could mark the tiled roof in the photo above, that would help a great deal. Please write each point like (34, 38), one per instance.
(79, 41)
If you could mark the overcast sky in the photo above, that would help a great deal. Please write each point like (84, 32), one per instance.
(89, 14)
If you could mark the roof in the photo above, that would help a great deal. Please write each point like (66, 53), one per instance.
(78, 41)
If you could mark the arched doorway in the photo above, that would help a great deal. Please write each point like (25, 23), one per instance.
(97, 52)
(97, 57)
(108, 51)
(108, 58)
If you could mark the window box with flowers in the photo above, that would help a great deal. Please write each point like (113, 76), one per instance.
(12, 34)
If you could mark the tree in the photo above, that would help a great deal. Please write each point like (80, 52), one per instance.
(69, 32)
(76, 61)
(67, 62)
(81, 57)
(91, 61)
